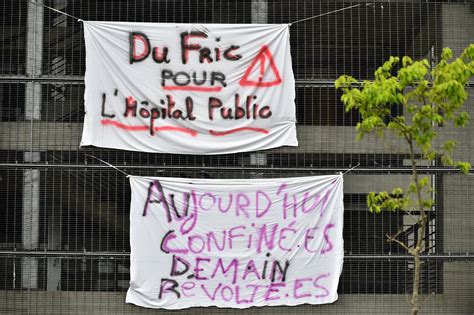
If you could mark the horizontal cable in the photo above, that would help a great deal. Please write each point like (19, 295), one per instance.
(165, 168)
(43, 79)
(114, 255)
(80, 80)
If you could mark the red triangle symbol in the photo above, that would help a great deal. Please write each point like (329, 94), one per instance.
(263, 57)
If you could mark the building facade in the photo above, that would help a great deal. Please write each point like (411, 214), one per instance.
(64, 227)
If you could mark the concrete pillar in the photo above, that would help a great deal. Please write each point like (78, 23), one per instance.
(31, 177)
(58, 67)
(259, 16)
(259, 11)
(457, 34)
(54, 243)
(30, 237)
(457, 219)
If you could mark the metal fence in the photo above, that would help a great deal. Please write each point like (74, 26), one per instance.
(64, 227)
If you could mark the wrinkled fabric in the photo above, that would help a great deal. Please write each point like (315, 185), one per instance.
(188, 88)
(235, 243)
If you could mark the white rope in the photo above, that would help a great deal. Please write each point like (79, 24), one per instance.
(58, 11)
(107, 163)
(327, 13)
(349, 170)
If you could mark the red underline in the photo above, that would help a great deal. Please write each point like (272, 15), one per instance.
(192, 132)
(106, 122)
(223, 133)
(192, 88)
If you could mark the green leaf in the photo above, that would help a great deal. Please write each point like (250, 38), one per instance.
(423, 182)
(462, 119)
(464, 166)
(449, 145)
(397, 192)
(446, 53)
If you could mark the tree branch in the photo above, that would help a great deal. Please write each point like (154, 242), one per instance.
(393, 239)
(408, 212)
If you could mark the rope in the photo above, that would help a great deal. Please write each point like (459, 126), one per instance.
(107, 163)
(327, 13)
(58, 11)
(349, 170)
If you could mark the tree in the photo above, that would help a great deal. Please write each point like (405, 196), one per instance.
(431, 98)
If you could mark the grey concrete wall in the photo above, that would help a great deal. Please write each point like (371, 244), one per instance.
(458, 33)
(458, 213)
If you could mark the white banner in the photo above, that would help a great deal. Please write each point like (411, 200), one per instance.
(235, 243)
(188, 88)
